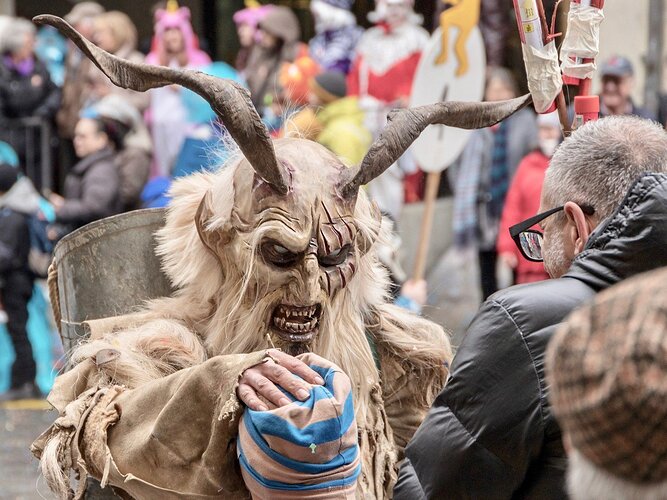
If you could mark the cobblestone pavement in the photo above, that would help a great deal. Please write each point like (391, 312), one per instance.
(20, 423)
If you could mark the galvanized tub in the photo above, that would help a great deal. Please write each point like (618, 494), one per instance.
(107, 268)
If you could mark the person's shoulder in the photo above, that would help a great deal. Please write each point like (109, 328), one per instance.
(643, 113)
(541, 303)
(102, 160)
(534, 160)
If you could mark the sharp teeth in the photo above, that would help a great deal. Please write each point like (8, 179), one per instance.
(288, 312)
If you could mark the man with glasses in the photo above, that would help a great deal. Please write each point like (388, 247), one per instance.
(603, 218)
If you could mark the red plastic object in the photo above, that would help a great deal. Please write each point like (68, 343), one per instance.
(570, 80)
(551, 109)
(587, 106)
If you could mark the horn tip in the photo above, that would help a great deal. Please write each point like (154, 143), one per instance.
(45, 19)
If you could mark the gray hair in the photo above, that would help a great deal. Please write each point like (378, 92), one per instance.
(585, 480)
(598, 163)
(13, 35)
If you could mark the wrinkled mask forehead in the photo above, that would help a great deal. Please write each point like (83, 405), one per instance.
(297, 250)
(311, 219)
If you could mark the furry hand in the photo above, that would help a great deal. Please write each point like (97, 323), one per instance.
(263, 379)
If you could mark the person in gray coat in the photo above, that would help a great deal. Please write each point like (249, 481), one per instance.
(92, 188)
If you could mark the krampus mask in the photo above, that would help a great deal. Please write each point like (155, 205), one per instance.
(296, 226)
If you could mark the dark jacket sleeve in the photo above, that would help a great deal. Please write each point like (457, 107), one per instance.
(52, 97)
(14, 242)
(486, 426)
(99, 194)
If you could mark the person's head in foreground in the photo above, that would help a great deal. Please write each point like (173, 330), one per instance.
(607, 370)
(589, 174)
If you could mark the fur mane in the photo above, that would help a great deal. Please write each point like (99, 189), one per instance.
(209, 302)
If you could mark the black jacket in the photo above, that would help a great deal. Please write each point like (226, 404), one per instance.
(14, 250)
(28, 95)
(490, 433)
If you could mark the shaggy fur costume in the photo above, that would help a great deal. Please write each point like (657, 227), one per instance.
(151, 407)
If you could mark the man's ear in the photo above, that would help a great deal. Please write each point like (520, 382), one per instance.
(213, 240)
(579, 226)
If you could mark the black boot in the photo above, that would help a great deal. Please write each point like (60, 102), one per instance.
(26, 391)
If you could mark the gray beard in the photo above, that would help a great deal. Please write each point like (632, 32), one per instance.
(555, 262)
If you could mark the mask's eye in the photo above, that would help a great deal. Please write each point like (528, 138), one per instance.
(278, 255)
(335, 258)
(280, 249)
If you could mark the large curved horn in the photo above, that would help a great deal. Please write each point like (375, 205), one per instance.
(230, 101)
(405, 125)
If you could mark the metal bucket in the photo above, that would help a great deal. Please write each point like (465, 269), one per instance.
(108, 268)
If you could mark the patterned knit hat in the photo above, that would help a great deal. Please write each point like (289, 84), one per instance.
(304, 449)
(607, 369)
(329, 86)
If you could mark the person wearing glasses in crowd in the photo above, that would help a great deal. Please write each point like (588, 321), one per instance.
(603, 218)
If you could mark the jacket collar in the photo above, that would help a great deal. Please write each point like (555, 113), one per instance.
(91, 159)
(631, 241)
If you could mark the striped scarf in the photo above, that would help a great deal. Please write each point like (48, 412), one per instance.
(304, 449)
(499, 179)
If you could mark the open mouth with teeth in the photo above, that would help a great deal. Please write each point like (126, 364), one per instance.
(296, 323)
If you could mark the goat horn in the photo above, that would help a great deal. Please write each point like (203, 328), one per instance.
(405, 125)
(230, 101)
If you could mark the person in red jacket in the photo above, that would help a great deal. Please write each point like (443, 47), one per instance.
(523, 199)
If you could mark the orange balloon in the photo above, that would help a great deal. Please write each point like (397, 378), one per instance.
(294, 78)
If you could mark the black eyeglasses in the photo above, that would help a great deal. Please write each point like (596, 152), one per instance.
(529, 241)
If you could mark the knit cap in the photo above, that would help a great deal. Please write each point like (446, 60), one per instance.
(306, 448)
(329, 86)
(607, 372)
